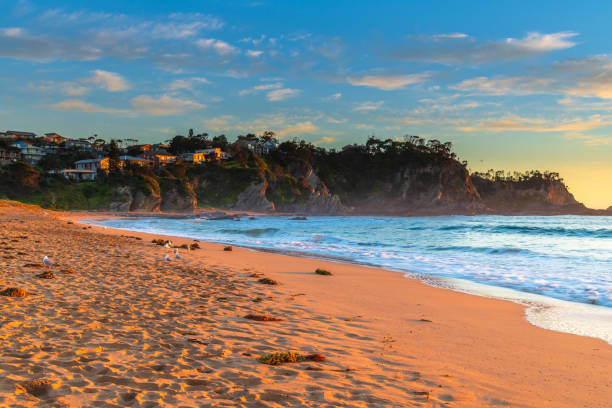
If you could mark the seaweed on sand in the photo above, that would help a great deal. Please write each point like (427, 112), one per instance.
(267, 281)
(282, 357)
(15, 292)
(262, 318)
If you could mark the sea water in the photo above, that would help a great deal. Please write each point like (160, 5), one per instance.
(560, 265)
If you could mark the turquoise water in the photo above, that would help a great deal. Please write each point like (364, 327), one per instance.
(561, 257)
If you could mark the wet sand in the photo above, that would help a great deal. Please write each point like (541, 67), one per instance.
(119, 326)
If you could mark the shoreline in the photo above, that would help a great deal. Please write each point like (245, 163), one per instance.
(542, 311)
(388, 340)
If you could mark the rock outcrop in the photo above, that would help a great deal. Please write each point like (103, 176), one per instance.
(317, 204)
(175, 200)
(513, 197)
(439, 189)
(253, 198)
(131, 199)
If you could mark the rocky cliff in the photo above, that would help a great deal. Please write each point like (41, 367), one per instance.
(546, 196)
(433, 189)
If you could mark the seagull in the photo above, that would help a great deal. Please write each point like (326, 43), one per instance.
(47, 262)
(167, 258)
(168, 245)
(176, 254)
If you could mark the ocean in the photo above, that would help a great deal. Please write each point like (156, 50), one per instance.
(561, 266)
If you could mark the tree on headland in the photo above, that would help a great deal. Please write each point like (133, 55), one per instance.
(114, 160)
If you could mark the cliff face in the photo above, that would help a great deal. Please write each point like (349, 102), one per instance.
(436, 189)
(127, 198)
(513, 197)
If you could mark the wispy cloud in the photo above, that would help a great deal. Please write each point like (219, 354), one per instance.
(299, 128)
(260, 88)
(505, 86)
(369, 106)
(254, 53)
(221, 123)
(80, 105)
(538, 42)
(187, 83)
(387, 82)
(282, 94)
(164, 105)
(111, 81)
(522, 124)
(218, 46)
(447, 49)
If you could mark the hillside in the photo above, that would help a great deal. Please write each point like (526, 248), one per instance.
(381, 177)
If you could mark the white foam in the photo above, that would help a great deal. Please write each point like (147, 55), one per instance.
(553, 314)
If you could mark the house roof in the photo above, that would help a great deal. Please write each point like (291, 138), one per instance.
(133, 158)
(89, 160)
(17, 132)
(76, 171)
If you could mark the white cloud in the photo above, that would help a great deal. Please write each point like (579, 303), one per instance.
(254, 53)
(110, 81)
(219, 123)
(79, 105)
(522, 124)
(11, 32)
(505, 86)
(73, 89)
(445, 48)
(187, 84)
(298, 129)
(543, 42)
(164, 105)
(325, 140)
(220, 47)
(333, 97)
(282, 94)
(178, 30)
(259, 88)
(369, 106)
(449, 36)
(387, 82)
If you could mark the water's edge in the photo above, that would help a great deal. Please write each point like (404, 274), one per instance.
(541, 311)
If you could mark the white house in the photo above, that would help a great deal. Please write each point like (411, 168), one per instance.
(30, 154)
(92, 164)
(78, 144)
(76, 174)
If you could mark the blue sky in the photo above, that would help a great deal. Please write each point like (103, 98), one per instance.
(514, 85)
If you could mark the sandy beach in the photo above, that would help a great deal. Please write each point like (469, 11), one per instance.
(117, 325)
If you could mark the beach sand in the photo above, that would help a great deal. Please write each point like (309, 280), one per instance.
(119, 326)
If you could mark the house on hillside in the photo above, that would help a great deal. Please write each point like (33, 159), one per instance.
(11, 135)
(137, 161)
(9, 155)
(92, 164)
(213, 154)
(29, 153)
(159, 158)
(194, 158)
(53, 138)
(76, 174)
(83, 145)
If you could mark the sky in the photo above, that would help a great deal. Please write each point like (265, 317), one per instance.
(514, 85)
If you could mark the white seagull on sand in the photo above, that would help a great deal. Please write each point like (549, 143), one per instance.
(47, 262)
(176, 254)
(167, 258)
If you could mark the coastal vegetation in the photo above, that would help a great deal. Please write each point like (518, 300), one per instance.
(404, 176)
